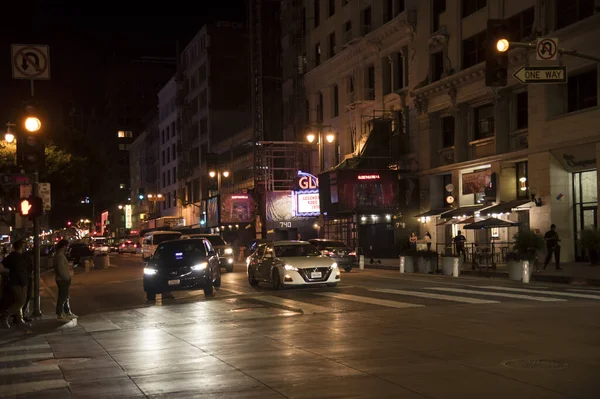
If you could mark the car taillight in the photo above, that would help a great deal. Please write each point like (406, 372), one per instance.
(135, 245)
(122, 245)
(352, 253)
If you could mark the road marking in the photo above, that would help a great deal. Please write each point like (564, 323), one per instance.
(371, 301)
(236, 292)
(29, 387)
(593, 291)
(23, 348)
(502, 294)
(29, 369)
(567, 294)
(28, 356)
(429, 295)
(306, 308)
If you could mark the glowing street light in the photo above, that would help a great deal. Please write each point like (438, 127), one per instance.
(310, 137)
(32, 124)
(9, 137)
(502, 45)
(226, 174)
(212, 173)
(330, 137)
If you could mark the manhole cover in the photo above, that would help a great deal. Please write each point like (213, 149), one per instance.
(66, 360)
(535, 364)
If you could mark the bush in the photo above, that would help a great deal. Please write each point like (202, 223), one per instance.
(526, 245)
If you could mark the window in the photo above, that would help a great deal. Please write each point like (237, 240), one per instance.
(317, 6)
(585, 200)
(331, 44)
(123, 147)
(195, 157)
(370, 91)
(168, 178)
(522, 182)
(437, 66)
(438, 8)
(174, 174)
(570, 11)
(163, 157)
(399, 71)
(473, 49)
(472, 6)
(347, 31)
(366, 20)
(317, 54)
(392, 9)
(484, 122)
(521, 25)
(202, 73)
(124, 134)
(331, 7)
(164, 180)
(163, 136)
(448, 127)
(168, 155)
(174, 152)
(320, 109)
(582, 91)
(522, 110)
(122, 186)
(336, 101)
(303, 16)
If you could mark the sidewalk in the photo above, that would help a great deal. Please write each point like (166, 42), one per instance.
(579, 273)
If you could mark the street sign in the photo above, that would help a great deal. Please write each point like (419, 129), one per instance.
(25, 190)
(550, 74)
(15, 179)
(44, 193)
(30, 61)
(546, 49)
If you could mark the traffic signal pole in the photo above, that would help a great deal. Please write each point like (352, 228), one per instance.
(37, 311)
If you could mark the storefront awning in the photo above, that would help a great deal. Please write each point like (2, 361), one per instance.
(433, 212)
(468, 210)
(506, 207)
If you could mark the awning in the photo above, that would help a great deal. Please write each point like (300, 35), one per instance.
(506, 207)
(433, 212)
(491, 223)
(468, 210)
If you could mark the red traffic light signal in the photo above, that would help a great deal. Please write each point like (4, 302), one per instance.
(31, 207)
(68, 223)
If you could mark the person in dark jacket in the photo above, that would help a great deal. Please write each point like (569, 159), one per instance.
(18, 281)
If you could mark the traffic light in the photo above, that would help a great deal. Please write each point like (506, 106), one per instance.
(31, 207)
(141, 193)
(496, 52)
(30, 146)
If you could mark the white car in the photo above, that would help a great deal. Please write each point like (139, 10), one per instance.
(291, 263)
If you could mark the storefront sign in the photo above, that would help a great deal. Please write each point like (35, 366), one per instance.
(306, 181)
(236, 208)
(307, 203)
(368, 177)
(128, 222)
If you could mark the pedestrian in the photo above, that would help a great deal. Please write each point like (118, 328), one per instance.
(428, 240)
(18, 269)
(62, 273)
(413, 241)
(459, 243)
(552, 247)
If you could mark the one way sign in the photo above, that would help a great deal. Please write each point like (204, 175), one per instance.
(30, 61)
(550, 74)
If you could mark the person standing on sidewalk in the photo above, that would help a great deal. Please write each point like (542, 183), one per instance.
(18, 267)
(413, 241)
(459, 243)
(552, 247)
(427, 239)
(62, 273)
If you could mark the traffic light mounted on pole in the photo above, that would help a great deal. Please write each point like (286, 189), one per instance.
(496, 53)
(30, 144)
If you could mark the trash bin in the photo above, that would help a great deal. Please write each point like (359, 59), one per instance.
(101, 261)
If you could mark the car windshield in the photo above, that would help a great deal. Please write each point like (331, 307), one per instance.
(331, 244)
(216, 241)
(294, 250)
(181, 249)
(160, 238)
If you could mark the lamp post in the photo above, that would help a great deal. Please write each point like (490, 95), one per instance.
(219, 175)
(330, 137)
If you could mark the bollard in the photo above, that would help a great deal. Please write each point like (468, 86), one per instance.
(86, 265)
(455, 269)
(401, 264)
(361, 262)
(526, 271)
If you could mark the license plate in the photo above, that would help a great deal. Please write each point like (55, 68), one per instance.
(173, 282)
(316, 275)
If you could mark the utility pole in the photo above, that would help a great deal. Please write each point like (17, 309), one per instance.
(37, 311)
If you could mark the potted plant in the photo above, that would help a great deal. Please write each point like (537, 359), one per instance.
(590, 241)
(527, 243)
(426, 261)
(448, 261)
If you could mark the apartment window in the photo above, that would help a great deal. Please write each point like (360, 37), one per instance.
(570, 11)
(174, 152)
(367, 20)
(203, 126)
(331, 7)
(370, 91)
(168, 179)
(522, 105)
(473, 49)
(174, 174)
(202, 73)
(582, 91)
(317, 54)
(174, 197)
(317, 6)
(123, 147)
(303, 16)
(163, 136)
(168, 155)
(164, 180)
(438, 8)
(320, 109)
(399, 71)
(347, 31)
(437, 66)
(392, 9)
(122, 186)
(448, 127)
(336, 101)
(124, 134)
(521, 25)
(471, 6)
(164, 157)
(484, 122)
(331, 44)
(522, 183)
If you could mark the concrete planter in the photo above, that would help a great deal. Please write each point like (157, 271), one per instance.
(425, 265)
(408, 264)
(515, 271)
(101, 261)
(448, 263)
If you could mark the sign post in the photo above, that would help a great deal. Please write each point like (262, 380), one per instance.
(549, 74)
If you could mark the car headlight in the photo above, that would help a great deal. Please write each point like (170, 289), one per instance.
(228, 251)
(149, 271)
(200, 266)
(291, 268)
(334, 266)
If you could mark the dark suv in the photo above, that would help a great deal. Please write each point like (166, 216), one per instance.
(182, 265)
(343, 255)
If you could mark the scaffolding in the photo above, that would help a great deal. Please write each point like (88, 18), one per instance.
(281, 161)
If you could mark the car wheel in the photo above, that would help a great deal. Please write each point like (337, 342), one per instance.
(347, 269)
(332, 284)
(151, 296)
(208, 288)
(277, 284)
(217, 282)
(251, 279)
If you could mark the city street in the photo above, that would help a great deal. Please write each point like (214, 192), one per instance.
(378, 334)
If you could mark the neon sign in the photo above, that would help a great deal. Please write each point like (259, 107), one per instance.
(368, 177)
(239, 197)
(306, 181)
(306, 196)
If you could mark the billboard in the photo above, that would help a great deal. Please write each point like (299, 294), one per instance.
(212, 212)
(476, 182)
(128, 221)
(236, 208)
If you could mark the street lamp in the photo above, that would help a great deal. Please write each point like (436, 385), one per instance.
(218, 174)
(330, 137)
(9, 137)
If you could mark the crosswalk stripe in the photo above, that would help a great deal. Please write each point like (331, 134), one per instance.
(30, 387)
(306, 308)
(567, 294)
(372, 301)
(429, 295)
(23, 348)
(593, 291)
(501, 294)
(27, 356)
(29, 369)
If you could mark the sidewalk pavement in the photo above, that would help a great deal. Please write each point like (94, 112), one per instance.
(579, 273)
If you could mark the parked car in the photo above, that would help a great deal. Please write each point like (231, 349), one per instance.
(342, 254)
(182, 265)
(224, 250)
(291, 263)
(155, 238)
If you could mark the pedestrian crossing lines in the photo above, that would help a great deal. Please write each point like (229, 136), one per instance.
(28, 369)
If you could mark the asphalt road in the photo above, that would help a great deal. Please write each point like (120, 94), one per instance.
(379, 334)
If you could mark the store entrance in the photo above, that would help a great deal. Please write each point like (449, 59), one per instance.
(380, 236)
